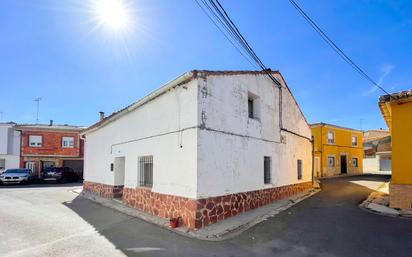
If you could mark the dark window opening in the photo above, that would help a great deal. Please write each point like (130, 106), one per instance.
(267, 169)
(299, 169)
(250, 108)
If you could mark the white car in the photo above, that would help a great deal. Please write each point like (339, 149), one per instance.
(16, 176)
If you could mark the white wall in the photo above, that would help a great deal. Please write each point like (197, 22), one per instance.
(221, 151)
(232, 146)
(150, 130)
(371, 164)
(10, 145)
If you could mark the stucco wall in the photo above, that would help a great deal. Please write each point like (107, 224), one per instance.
(371, 164)
(9, 146)
(150, 130)
(232, 146)
(221, 151)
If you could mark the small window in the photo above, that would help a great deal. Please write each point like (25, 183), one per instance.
(331, 161)
(355, 162)
(67, 142)
(354, 141)
(35, 141)
(331, 137)
(299, 169)
(2, 164)
(146, 171)
(250, 108)
(112, 166)
(267, 162)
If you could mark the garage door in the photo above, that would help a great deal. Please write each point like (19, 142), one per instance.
(386, 164)
(76, 165)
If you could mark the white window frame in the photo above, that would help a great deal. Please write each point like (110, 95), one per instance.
(35, 143)
(357, 162)
(67, 142)
(334, 160)
(333, 137)
(356, 141)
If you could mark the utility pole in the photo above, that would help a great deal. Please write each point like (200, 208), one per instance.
(38, 99)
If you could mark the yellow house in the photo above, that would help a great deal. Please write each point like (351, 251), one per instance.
(337, 150)
(397, 112)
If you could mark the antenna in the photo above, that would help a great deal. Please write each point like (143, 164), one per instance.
(38, 99)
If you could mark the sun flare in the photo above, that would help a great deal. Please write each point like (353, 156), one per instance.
(113, 14)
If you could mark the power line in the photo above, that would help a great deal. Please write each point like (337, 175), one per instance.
(334, 46)
(224, 34)
(223, 21)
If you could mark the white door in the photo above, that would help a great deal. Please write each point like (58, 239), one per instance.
(31, 166)
(317, 167)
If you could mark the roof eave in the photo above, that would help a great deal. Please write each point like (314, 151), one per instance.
(184, 78)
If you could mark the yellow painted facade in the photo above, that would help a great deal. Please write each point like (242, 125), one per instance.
(331, 153)
(397, 111)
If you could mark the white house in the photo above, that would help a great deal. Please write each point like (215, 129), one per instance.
(204, 147)
(9, 146)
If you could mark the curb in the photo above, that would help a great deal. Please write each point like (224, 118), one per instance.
(183, 231)
(365, 205)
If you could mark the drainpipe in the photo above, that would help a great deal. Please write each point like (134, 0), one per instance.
(313, 160)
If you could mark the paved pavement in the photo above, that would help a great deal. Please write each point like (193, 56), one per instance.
(52, 221)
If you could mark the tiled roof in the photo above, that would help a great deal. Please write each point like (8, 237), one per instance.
(49, 127)
(182, 79)
(332, 125)
(371, 135)
(385, 100)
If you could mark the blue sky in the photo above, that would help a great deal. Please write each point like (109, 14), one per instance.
(51, 49)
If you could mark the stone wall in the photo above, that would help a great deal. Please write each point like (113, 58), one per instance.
(162, 205)
(103, 190)
(199, 213)
(400, 196)
(214, 209)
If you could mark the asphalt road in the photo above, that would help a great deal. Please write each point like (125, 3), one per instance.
(51, 221)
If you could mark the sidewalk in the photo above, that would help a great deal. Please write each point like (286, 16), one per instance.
(222, 230)
(378, 202)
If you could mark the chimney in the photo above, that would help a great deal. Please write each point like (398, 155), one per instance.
(101, 116)
(51, 123)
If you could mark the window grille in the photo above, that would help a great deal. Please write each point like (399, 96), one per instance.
(146, 171)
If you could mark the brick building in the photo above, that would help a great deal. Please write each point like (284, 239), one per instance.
(50, 146)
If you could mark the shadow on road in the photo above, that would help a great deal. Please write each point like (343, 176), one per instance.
(327, 224)
(41, 185)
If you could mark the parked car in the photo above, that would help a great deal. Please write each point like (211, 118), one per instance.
(59, 174)
(17, 176)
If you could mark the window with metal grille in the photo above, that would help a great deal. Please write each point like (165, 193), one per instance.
(299, 169)
(146, 171)
(267, 169)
